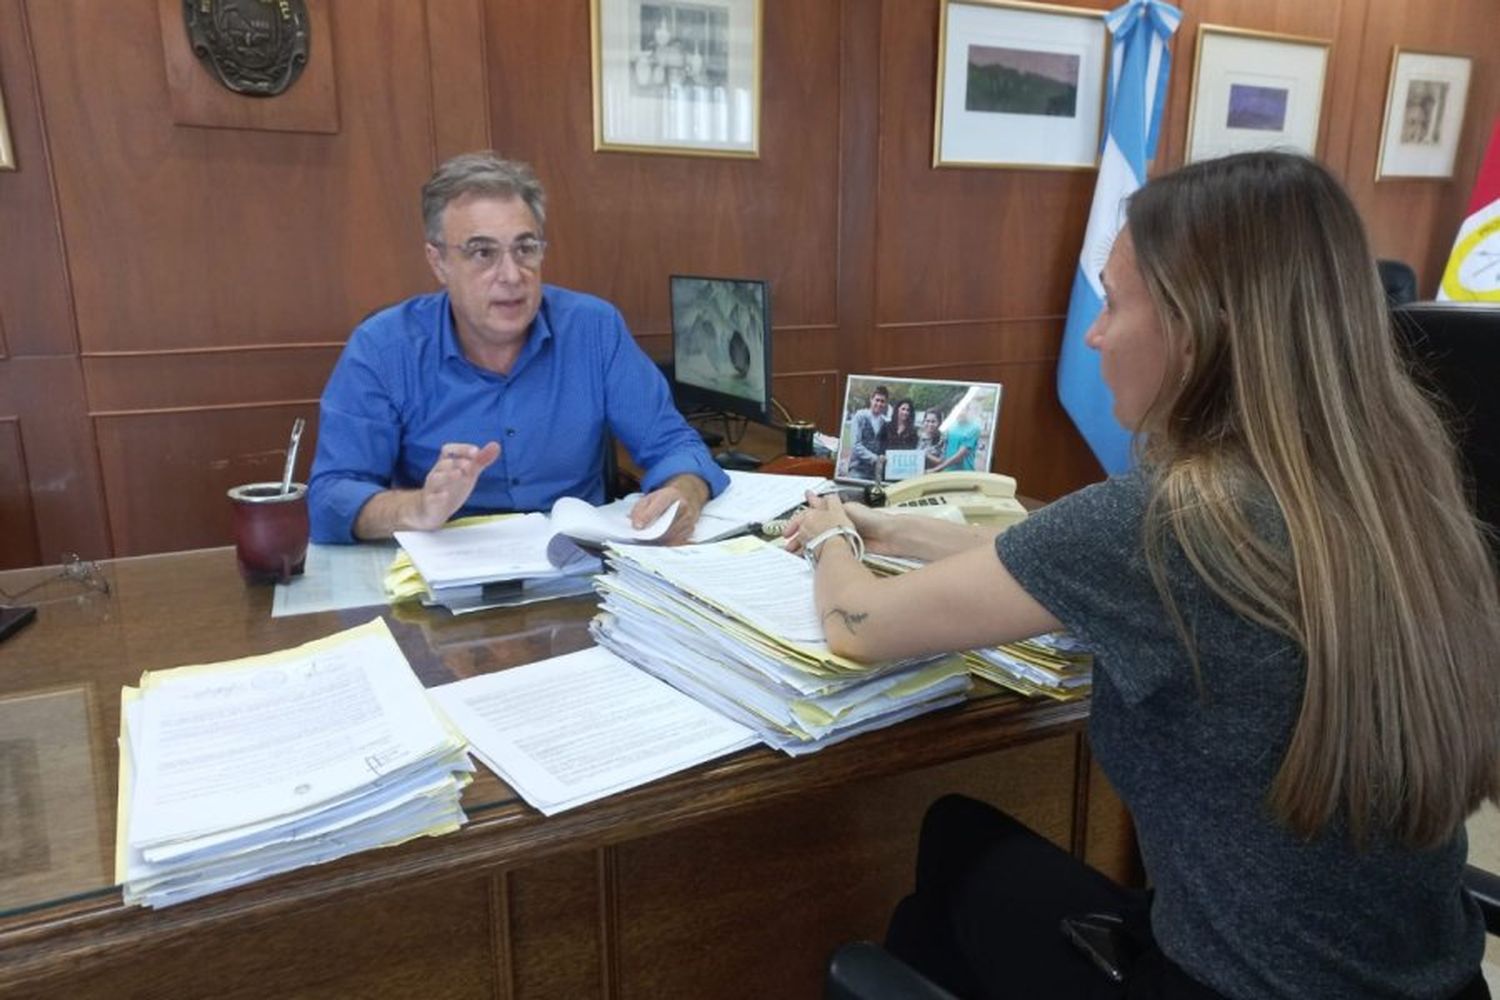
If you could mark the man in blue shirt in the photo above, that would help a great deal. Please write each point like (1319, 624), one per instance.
(495, 393)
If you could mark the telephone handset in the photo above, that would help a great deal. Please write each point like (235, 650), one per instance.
(981, 497)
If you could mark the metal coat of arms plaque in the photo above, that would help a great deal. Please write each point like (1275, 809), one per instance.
(254, 47)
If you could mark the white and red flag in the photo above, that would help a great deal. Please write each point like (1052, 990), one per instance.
(1473, 271)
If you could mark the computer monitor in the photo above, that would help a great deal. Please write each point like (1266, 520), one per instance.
(721, 345)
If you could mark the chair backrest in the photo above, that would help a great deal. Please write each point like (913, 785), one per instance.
(1399, 280)
(1456, 351)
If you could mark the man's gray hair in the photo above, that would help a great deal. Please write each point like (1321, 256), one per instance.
(482, 173)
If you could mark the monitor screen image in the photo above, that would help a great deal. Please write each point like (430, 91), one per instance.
(721, 345)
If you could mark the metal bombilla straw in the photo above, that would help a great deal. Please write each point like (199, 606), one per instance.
(291, 454)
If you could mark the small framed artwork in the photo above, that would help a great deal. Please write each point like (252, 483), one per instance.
(898, 428)
(7, 152)
(1019, 85)
(677, 76)
(1424, 113)
(1255, 90)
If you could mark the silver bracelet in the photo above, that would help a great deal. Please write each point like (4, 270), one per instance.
(856, 543)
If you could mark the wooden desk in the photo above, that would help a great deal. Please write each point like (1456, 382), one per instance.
(734, 879)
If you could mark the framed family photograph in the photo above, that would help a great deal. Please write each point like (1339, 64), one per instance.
(1019, 85)
(1255, 90)
(1424, 114)
(677, 76)
(898, 428)
(7, 151)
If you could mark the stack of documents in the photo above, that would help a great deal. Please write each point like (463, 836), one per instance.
(733, 624)
(576, 728)
(488, 562)
(1055, 665)
(492, 561)
(231, 772)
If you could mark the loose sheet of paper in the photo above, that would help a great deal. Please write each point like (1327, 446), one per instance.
(336, 577)
(752, 497)
(575, 728)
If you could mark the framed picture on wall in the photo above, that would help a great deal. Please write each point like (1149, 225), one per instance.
(677, 76)
(1019, 85)
(7, 152)
(1424, 113)
(1255, 90)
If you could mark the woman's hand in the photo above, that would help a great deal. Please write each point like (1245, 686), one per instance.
(822, 512)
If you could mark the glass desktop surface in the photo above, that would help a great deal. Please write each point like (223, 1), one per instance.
(60, 681)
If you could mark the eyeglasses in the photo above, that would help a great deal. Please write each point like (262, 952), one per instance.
(483, 255)
(74, 572)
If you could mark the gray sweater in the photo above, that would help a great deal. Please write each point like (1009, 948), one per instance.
(1240, 903)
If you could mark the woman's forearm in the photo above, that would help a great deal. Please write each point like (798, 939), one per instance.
(926, 538)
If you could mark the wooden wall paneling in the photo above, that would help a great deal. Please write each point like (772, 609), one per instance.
(1346, 82)
(214, 237)
(973, 266)
(310, 104)
(53, 499)
(292, 374)
(1415, 220)
(456, 57)
(1286, 17)
(962, 242)
(45, 394)
(621, 223)
(860, 108)
(200, 241)
(166, 471)
(34, 295)
(837, 861)
(20, 543)
(557, 928)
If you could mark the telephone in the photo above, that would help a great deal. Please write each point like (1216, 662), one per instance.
(981, 497)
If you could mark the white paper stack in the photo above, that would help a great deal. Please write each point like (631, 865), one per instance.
(1054, 666)
(734, 624)
(576, 728)
(753, 498)
(231, 772)
(516, 559)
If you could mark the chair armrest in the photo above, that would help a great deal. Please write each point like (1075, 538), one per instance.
(863, 970)
(1484, 886)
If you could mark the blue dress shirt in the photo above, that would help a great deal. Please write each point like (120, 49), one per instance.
(402, 388)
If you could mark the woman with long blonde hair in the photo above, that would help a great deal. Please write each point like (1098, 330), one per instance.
(1294, 617)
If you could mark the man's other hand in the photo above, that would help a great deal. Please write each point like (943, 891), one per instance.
(686, 489)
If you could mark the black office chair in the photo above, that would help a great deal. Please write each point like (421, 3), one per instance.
(617, 482)
(1399, 281)
(1455, 350)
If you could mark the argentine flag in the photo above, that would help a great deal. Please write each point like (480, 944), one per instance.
(1139, 67)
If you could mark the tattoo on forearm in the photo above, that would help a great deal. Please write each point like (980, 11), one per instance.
(851, 619)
